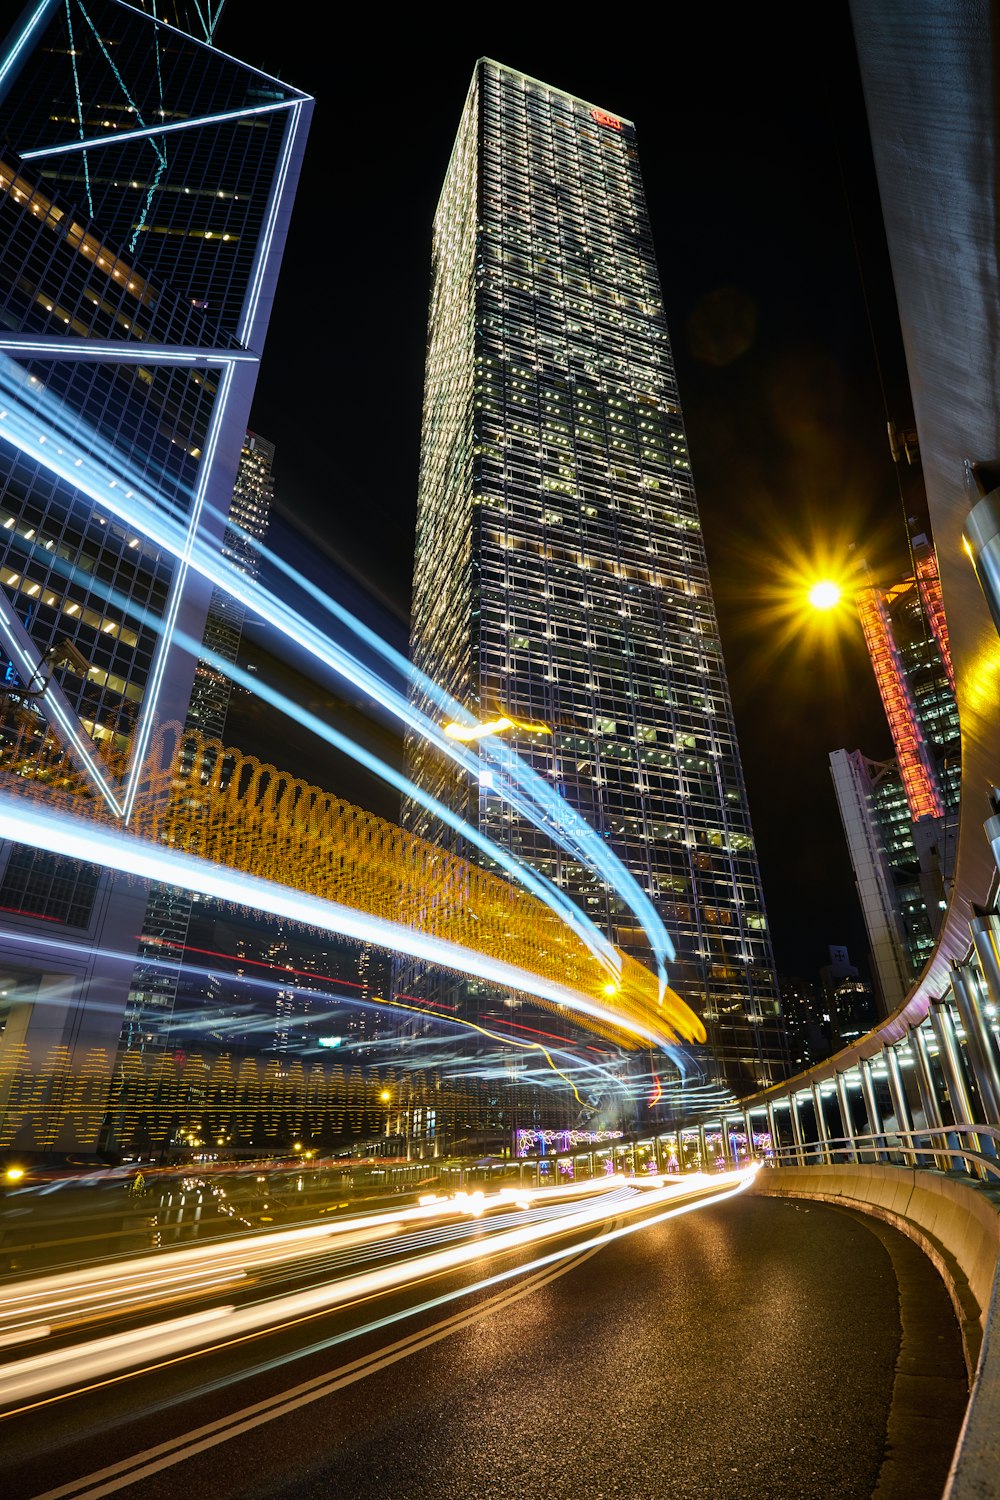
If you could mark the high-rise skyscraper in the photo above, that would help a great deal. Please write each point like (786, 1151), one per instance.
(907, 639)
(878, 827)
(153, 990)
(246, 525)
(900, 816)
(560, 567)
(145, 182)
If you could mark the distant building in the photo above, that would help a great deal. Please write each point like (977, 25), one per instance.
(879, 830)
(246, 526)
(265, 988)
(822, 1017)
(849, 1000)
(368, 1021)
(900, 816)
(808, 1021)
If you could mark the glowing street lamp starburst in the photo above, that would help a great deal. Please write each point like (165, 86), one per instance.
(795, 593)
(825, 594)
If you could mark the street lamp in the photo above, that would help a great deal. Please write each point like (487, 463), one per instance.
(825, 594)
(386, 1096)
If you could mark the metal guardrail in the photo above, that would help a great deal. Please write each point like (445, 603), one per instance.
(927, 1073)
(909, 1148)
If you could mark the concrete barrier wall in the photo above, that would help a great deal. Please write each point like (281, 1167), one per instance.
(957, 1224)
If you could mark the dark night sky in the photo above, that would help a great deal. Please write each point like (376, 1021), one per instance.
(779, 300)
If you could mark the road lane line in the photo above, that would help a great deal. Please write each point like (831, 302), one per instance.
(153, 1460)
(165, 1455)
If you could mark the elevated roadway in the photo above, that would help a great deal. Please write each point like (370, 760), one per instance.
(753, 1347)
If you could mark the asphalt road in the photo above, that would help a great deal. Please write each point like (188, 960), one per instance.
(742, 1352)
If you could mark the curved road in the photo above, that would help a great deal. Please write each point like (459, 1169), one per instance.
(747, 1351)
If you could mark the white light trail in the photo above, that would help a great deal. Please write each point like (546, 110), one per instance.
(109, 488)
(75, 838)
(70, 1296)
(54, 1370)
(524, 874)
(534, 798)
(281, 979)
(69, 448)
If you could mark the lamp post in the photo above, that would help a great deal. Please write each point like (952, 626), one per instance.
(401, 1115)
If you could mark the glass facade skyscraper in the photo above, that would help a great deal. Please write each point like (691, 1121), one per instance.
(878, 826)
(145, 182)
(900, 816)
(560, 567)
(249, 511)
(153, 991)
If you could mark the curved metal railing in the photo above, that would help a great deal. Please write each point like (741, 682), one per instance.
(910, 1148)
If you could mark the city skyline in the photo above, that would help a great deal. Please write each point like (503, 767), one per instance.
(807, 381)
(311, 1238)
(740, 676)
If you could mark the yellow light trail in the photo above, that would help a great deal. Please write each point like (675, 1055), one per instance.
(247, 823)
(498, 725)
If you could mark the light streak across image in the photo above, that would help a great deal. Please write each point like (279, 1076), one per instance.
(280, 977)
(84, 1365)
(528, 792)
(116, 849)
(523, 873)
(42, 427)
